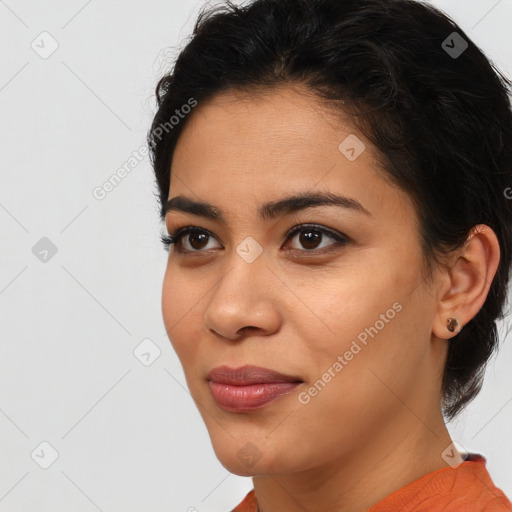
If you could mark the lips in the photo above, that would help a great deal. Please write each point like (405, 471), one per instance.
(248, 388)
(246, 375)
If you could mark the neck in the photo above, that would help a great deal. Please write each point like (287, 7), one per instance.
(403, 450)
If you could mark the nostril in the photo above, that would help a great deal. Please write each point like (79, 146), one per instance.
(244, 330)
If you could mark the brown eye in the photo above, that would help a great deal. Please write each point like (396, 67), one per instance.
(196, 238)
(310, 238)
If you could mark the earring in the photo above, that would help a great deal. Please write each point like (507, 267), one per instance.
(452, 325)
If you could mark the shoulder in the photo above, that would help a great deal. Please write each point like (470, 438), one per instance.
(248, 504)
(467, 487)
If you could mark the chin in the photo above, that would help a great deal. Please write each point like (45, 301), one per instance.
(239, 469)
(246, 458)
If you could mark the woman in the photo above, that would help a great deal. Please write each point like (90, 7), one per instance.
(333, 175)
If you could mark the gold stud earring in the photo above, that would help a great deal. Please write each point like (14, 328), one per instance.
(452, 325)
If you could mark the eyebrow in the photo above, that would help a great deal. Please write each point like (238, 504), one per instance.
(272, 209)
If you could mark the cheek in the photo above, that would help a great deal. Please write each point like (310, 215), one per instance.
(170, 301)
(378, 318)
(354, 384)
(345, 308)
(179, 312)
(382, 346)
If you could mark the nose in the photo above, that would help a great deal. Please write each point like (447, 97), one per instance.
(245, 300)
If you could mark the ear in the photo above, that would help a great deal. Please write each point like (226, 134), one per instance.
(465, 283)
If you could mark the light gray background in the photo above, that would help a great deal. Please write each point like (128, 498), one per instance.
(128, 436)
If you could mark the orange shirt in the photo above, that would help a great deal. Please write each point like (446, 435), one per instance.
(466, 488)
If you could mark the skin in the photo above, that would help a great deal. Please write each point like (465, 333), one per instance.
(377, 425)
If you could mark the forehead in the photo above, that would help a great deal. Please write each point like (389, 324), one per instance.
(238, 149)
(278, 117)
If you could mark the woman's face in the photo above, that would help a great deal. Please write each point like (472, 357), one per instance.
(350, 319)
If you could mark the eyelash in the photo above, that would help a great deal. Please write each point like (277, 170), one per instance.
(175, 238)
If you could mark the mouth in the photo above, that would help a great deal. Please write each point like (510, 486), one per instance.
(248, 388)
